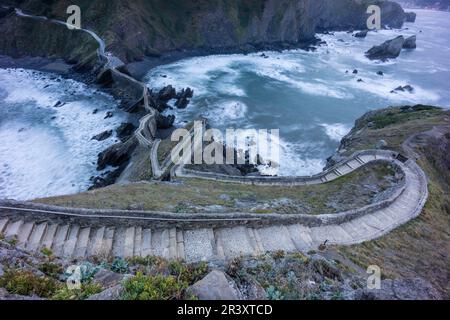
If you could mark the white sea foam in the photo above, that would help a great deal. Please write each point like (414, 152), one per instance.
(47, 151)
(336, 131)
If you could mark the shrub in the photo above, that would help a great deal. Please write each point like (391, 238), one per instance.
(157, 287)
(51, 269)
(274, 294)
(26, 283)
(85, 292)
(119, 266)
(47, 252)
(188, 273)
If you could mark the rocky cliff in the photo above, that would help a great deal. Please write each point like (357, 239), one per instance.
(134, 29)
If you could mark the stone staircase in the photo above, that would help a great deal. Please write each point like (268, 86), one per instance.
(75, 240)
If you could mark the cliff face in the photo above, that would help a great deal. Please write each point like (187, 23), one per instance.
(133, 29)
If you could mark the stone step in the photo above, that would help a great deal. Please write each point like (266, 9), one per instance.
(160, 243)
(118, 245)
(137, 241)
(82, 243)
(300, 237)
(108, 239)
(146, 247)
(180, 245)
(173, 254)
(128, 249)
(24, 234)
(71, 241)
(234, 242)
(276, 238)
(198, 246)
(96, 242)
(36, 237)
(12, 229)
(3, 224)
(60, 239)
(49, 236)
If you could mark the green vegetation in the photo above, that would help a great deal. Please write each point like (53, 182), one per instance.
(27, 283)
(85, 292)
(198, 195)
(142, 287)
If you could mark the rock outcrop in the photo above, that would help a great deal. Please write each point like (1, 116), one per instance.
(215, 286)
(388, 50)
(410, 43)
(410, 16)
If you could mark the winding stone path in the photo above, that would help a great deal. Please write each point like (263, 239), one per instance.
(78, 233)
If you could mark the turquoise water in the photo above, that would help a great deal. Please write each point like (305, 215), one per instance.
(308, 95)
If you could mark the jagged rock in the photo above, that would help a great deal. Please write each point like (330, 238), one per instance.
(102, 136)
(59, 104)
(182, 103)
(360, 80)
(406, 88)
(186, 93)
(410, 43)
(361, 34)
(388, 50)
(116, 154)
(164, 122)
(382, 144)
(380, 73)
(215, 286)
(125, 130)
(107, 279)
(167, 93)
(109, 114)
(410, 16)
(355, 71)
(112, 293)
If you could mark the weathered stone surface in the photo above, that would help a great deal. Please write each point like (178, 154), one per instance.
(215, 286)
(102, 136)
(361, 34)
(112, 293)
(410, 43)
(107, 278)
(125, 130)
(410, 16)
(164, 122)
(388, 50)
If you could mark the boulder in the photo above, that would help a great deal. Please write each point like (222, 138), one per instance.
(107, 279)
(125, 130)
(380, 73)
(410, 43)
(182, 103)
(406, 88)
(164, 122)
(102, 136)
(355, 71)
(410, 16)
(388, 50)
(109, 114)
(361, 34)
(116, 154)
(167, 93)
(112, 293)
(215, 286)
